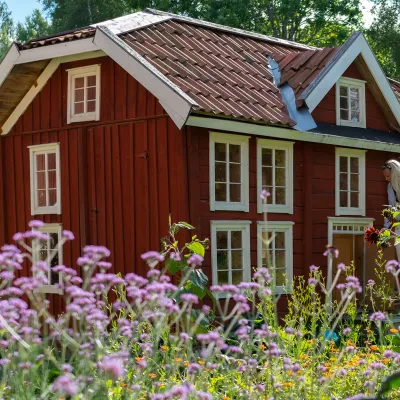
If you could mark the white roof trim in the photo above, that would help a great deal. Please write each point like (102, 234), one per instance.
(8, 62)
(357, 45)
(171, 97)
(228, 125)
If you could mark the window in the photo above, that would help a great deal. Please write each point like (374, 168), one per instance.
(230, 249)
(45, 179)
(44, 251)
(275, 174)
(229, 170)
(275, 249)
(350, 182)
(350, 102)
(84, 94)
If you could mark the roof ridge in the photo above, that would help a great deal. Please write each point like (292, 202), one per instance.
(229, 29)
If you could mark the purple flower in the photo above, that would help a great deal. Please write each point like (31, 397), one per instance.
(184, 336)
(193, 368)
(377, 365)
(331, 251)
(204, 396)
(66, 368)
(190, 298)
(113, 366)
(66, 385)
(312, 281)
(68, 235)
(264, 194)
(205, 309)
(195, 260)
(175, 256)
(25, 365)
(341, 267)
(371, 283)
(346, 331)
(262, 274)
(36, 224)
(7, 275)
(152, 258)
(18, 236)
(377, 316)
(313, 268)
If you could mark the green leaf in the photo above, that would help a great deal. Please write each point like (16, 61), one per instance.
(396, 214)
(191, 288)
(173, 266)
(197, 248)
(184, 225)
(395, 224)
(198, 278)
(389, 384)
(386, 233)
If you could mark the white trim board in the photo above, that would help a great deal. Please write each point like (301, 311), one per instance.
(333, 71)
(228, 125)
(8, 62)
(177, 103)
(41, 82)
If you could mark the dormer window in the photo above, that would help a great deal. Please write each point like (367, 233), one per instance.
(350, 102)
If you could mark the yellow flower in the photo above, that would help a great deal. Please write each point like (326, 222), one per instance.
(152, 375)
(201, 362)
(186, 363)
(374, 348)
(123, 384)
(262, 347)
(139, 358)
(165, 347)
(226, 398)
(394, 330)
(178, 359)
(332, 359)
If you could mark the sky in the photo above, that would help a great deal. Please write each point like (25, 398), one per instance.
(21, 8)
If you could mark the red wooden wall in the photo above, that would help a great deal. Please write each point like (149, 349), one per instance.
(121, 176)
(326, 109)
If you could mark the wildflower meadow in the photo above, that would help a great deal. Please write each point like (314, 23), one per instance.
(136, 337)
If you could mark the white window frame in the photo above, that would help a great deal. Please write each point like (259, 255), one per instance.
(355, 83)
(288, 148)
(360, 154)
(51, 228)
(243, 141)
(33, 152)
(82, 72)
(243, 226)
(287, 228)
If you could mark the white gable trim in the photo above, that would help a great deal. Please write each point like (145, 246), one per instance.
(8, 62)
(335, 70)
(171, 97)
(227, 125)
(40, 83)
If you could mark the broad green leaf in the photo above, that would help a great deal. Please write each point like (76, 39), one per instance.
(198, 278)
(173, 266)
(197, 248)
(199, 292)
(184, 225)
(396, 214)
(395, 224)
(390, 383)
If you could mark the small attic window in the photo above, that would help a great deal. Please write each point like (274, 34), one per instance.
(84, 94)
(350, 102)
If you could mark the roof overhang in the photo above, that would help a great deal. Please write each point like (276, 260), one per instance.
(228, 125)
(349, 51)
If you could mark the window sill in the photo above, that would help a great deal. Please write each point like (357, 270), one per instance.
(51, 289)
(46, 211)
(221, 206)
(275, 209)
(350, 211)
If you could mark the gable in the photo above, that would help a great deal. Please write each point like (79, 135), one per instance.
(376, 108)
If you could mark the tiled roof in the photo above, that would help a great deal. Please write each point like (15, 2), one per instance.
(396, 87)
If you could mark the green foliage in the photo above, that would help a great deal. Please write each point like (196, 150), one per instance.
(35, 25)
(6, 26)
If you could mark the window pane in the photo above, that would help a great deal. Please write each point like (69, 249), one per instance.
(222, 240)
(234, 173)
(280, 261)
(343, 164)
(355, 105)
(51, 161)
(220, 191)
(91, 80)
(91, 106)
(236, 239)
(344, 103)
(354, 164)
(280, 176)
(52, 197)
(220, 172)
(270, 190)
(355, 116)
(52, 179)
(222, 259)
(79, 108)
(344, 115)
(343, 182)
(41, 180)
(267, 157)
(43, 253)
(279, 240)
(222, 277)
(267, 176)
(280, 194)
(354, 182)
(234, 153)
(235, 193)
(280, 278)
(91, 93)
(354, 93)
(220, 151)
(79, 95)
(53, 240)
(343, 91)
(237, 277)
(343, 199)
(237, 259)
(40, 162)
(280, 157)
(41, 198)
(79, 82)
(354, 199)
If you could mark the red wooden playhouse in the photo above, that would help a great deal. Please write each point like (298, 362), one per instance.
(107, 130)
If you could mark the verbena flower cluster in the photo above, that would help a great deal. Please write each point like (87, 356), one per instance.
(137, 337)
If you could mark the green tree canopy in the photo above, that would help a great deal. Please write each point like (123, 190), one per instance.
(6, 24)
(35, 25)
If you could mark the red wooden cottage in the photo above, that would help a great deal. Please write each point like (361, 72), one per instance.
(107, 130)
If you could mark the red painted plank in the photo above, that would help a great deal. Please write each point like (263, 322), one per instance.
(56, 100)
(100, 185)
(92, 188)
(120, 93)
(132, 98)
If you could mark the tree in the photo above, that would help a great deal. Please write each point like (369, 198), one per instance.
(384, 35)
(35, 26)
(6, 25)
